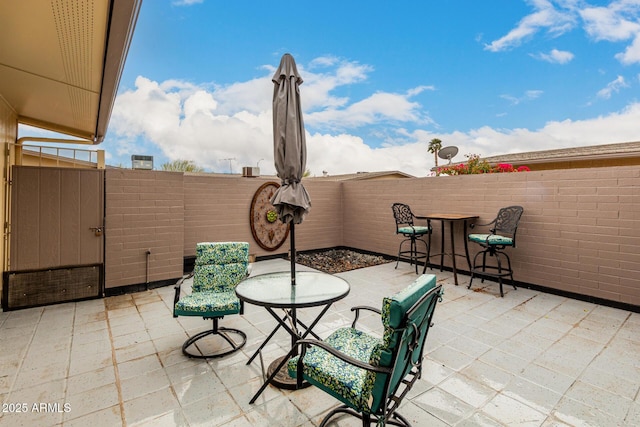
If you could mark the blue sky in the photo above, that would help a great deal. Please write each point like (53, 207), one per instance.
(381, 79)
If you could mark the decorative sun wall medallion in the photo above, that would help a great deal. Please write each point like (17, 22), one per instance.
(269, 232)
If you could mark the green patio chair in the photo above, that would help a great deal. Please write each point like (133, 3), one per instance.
(371, 375)
(500, 236)
(219, 267)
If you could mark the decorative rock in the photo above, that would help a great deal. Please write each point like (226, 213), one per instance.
(339, 260)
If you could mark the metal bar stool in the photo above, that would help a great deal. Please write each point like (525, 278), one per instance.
(501, 236)
(412, 233)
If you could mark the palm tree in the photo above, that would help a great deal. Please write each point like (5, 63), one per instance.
(434, 146)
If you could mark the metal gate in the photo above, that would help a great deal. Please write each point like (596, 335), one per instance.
(56, 250)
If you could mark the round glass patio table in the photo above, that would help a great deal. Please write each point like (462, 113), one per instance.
(275, 291)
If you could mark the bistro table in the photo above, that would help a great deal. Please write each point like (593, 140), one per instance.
(275, 291)
(451, 219)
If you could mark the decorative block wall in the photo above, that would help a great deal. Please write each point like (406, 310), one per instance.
(580, 231)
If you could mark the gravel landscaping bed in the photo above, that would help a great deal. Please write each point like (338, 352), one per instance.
(339, 260)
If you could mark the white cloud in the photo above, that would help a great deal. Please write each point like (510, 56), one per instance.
(612, 87)
(529, 95)
(619, 21)
(186, 2)
(631, 54)
(610, 23)
(546, 16)
(533, 94)
(186, 122)
(318, 87)
(253, 95)
(556, 56)
(379, 107)
(209, 123)
(323, 61)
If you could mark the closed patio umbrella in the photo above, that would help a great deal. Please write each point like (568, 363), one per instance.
(291, 200)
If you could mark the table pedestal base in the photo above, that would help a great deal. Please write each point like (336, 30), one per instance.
(282, 378)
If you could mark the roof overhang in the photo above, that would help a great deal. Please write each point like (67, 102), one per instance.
(61, 61)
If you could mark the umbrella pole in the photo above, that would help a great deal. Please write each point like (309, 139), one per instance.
(292, 236)
(294, 317)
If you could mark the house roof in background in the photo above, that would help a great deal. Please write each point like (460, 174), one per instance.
(605, 151)
(364, 175)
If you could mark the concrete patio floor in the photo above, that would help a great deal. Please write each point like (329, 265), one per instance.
(529, 359)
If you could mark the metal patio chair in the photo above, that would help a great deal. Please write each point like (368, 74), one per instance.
(219, 267)
(413, 234)
(372, 375)
(500, 236)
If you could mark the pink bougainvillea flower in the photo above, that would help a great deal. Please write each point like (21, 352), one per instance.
(505, 167)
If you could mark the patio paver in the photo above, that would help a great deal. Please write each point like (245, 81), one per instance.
(529, 359)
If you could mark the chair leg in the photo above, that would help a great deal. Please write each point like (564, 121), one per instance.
(484, 263)
(474, 267)
(499, 263)
(426, 261)
(402, 421)
(411, 251)
(342, 409)
(508, 270)
(501, 271)
(400, 252)
(396, 419)
(426, 253)
(366, 420)
(513, 283)
(414, 253)
(215, 330)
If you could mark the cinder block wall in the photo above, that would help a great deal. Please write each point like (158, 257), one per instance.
(580, 231)
(169, 212)
(144, 210)
(217, 209)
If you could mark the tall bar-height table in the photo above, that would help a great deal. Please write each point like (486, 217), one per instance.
(452, 219)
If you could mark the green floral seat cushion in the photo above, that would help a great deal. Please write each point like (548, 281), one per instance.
(220, 266)
(208, 304)
(222, 252)
(416, 229)
(358, 388)
(218, 277)
(491, 239)
(345, 382)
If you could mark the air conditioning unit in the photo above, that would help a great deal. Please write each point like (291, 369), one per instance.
(141, 162)
(250, 172)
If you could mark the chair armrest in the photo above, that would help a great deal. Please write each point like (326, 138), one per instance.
(306, 343)
(423, 218)
(474, 225)
(177, 287)
(362, 307)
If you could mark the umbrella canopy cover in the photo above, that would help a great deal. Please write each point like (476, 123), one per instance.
(291, 200)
